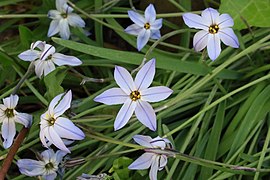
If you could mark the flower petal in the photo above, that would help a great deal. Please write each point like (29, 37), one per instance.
(124, 114)
(54, 28)
(39, 67)
(133, 29)
(42, 138)
(200, 40)
(155, 34)
(39, 44)
(31, 167)
(47, 51)
(213, 46)
(54, 14)
(162, 162)
(61, 59)
(225, 21)
(145, 76)
(228, 37)
(155, 94)
(150, 14)
(143, 162)
(11, 101)
(24, 119)
(210, 16)
(47, 155)
(64, 29)
(156, 25)
(60, 4)
(75, 20)
(8, 132)
(67, 129)
(112, 96)
(54, 138)
(53, 103)
(48, 67)
(29, 55)
(154, 168)
(195, 21)
(159, 142)
(136, 18)
(63, 105)
(124, 80)
(50, 176)
(146, 114)
(59, 155)
(143, 140)
(143, 38)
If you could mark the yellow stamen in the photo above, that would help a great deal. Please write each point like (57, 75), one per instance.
(135, 95)
(147, 26)
(213, 29)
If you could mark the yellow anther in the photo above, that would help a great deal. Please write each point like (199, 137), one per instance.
(135, 95)
(147, 26)
(213, 29)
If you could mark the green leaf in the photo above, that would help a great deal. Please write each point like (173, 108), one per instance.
(254, 12)
(25, 36)
(163, 62)
(53, 83)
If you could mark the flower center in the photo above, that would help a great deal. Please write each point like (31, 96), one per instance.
(49, 166)
(135, 95)
(51, 121)
(213, 29)
(9, 113)
(146, 26)
(64, 15)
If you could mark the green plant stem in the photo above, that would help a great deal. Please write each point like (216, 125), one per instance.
(25, 76)
(167, 15)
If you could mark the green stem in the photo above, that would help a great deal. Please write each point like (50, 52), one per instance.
(25, 76)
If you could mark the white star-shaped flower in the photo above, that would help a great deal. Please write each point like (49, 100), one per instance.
(155, 160)
(62, 18)
(46, 167)
(8, 116)
(145, 27)
(135, 95)
(45, 58)
(53, 127)
(215, 28)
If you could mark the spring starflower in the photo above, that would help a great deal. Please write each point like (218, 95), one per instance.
(47, 166)
(135, 95)
(8, 116)
(53, 127)
(45, 58)
(62, 18)
(145, 27)
(151, 158)
(215, 28)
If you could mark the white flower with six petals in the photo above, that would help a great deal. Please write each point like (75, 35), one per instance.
(62, 18)
(155, 160)
(46, 167)
(53, 127)
(145, 27)
(215, 28)
(45, 58)
(135, 95)
(8, 116)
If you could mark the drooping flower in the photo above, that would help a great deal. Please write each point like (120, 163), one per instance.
(45, 58)
(135, 95)
(46, 167)
(53, 127)
(8, 116)
(155, 160)
(215, 28)
(144, 27)
(62, 18)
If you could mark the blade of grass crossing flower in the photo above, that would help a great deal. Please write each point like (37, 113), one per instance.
(214, 140)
